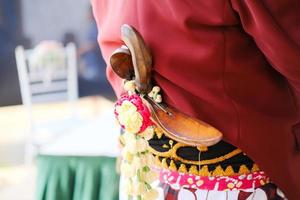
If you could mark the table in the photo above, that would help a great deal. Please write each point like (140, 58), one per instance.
(77, 178)
(78, 165)
(81, 164)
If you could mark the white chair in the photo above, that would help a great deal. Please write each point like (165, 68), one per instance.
(43, 84)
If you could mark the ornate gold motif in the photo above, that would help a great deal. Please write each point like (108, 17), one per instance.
(182, 168)
(202, 148)
(172, 154)
(159, 133)
(193, 170)
(244, 169)
(172, 166)
(196, 167)
(218, 171)
(204, 171)
(228, 171)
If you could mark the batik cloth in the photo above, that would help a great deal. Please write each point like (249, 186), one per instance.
(183, 186)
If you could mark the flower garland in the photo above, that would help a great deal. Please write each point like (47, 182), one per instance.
(48, 54)
(46, 59)
(134, 117)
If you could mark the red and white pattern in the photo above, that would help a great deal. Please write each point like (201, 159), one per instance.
(166, 192)
(266, 192)
(183, 186)
(178, 180)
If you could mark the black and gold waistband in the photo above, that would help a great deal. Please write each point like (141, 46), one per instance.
(221, 159)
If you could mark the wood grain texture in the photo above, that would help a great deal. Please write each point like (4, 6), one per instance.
(141, 58)
(183, 128)
(121, 63)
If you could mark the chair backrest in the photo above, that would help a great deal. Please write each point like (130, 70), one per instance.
(46, 84)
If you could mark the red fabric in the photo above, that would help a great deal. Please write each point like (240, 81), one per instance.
(234, 64)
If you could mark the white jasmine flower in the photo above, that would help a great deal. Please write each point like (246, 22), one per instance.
(127, 155)
(129, 117)
(151, 94)
(128, 137)
(135, 146)
(158, 98)
(150, 159)
(141, 145)
(129, 187)
(133, 123)
(147, 134)
(141, 188)
(150, 195)
(128, 170)
(139, 161)
(149, 176)
(126, 107)
(129, 86)
(156, 89)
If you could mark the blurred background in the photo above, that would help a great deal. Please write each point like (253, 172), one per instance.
(58, 137)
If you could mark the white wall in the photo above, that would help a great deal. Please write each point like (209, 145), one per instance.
(50, 19)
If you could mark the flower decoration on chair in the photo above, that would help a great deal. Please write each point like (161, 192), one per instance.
(134, 117)
(47, 58)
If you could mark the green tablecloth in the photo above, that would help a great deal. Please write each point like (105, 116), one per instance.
(77, 178)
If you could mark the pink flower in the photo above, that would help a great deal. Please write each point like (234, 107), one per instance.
(141, 108)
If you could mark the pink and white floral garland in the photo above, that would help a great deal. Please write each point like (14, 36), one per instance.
(134, 117)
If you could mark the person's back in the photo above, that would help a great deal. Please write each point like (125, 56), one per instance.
(234, 64)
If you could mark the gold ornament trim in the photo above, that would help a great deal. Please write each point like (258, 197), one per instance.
(218, 171)
(172, 154)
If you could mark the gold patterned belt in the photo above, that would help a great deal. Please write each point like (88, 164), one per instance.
(221, 159)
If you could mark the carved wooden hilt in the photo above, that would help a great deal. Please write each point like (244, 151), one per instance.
(135, 62)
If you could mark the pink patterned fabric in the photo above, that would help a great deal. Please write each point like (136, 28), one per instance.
(178, 180)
